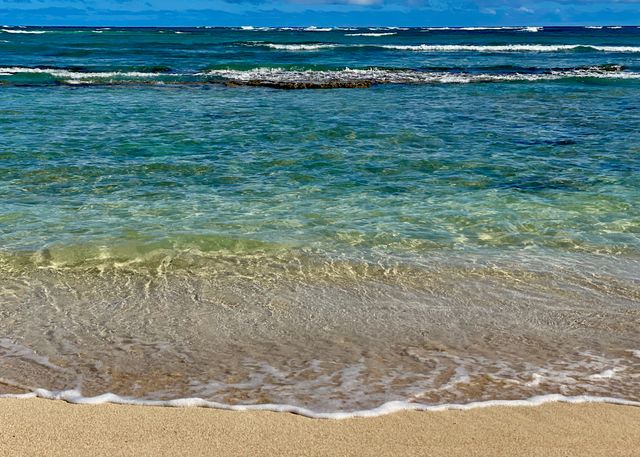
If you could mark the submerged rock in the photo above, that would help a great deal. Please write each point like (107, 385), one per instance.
(290, 85)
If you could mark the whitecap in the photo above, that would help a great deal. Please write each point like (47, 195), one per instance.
(531, 29)
(329, 78)
(73, 75)
(501, 48)
(508, 48)
(282, 76)
(371, 34)
(33, 32)
(295, 46)
(471, 29)
(318, 29)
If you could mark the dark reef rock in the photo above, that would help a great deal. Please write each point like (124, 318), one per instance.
(291, 85)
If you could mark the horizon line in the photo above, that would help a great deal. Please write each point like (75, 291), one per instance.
(323, 26)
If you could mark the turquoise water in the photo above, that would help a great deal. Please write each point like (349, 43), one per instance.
(412, 170)
(466, 222)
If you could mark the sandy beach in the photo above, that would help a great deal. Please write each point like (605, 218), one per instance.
(54, 428)
(343, 228)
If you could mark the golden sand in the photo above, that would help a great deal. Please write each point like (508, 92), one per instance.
(37, 427)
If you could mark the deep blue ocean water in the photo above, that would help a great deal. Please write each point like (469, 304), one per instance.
(331, 218)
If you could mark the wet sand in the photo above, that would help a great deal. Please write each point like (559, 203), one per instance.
(54, 428)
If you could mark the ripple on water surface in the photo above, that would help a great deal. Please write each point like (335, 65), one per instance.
(428, 240)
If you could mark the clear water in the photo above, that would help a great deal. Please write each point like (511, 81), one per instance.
(466, 227)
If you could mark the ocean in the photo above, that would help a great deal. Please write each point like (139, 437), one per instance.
(323, 220)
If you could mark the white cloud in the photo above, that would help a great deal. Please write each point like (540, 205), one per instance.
(363, 2)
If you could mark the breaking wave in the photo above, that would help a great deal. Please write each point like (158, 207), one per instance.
(32, 32)
(75, 397)
(294, 47)
(500, 48)
(371, 34)
(362, 78)
(288, 78)
(510, 48)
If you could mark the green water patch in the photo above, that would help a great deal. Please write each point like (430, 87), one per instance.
(29, 79)
(134, 248)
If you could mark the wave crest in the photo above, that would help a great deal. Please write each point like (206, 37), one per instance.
(481, 48)
(284, 78)
(288, 78)
(30, 32)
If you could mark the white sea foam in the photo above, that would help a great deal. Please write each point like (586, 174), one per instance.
(74, 396)
(506, 48)
(297, 47)
(318, 29)
(536, 380)
(596, 27)
(34, 32)
(10, 348)
(66, 74)
(328, 77)
(472, 29)
(382, 76)
(509, 48)
(523, 29)
(250, 28)
(605, 374)
(371, 34)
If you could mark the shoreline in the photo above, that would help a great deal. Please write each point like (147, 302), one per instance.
(51, 427)
(391, 407)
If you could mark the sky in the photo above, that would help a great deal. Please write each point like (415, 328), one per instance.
(319, 12)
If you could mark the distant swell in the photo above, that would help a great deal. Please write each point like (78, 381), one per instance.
(506, 48)
(511, 48)
(371, 34)
(294, 46)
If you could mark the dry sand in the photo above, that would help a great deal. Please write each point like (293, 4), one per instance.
(37, 427)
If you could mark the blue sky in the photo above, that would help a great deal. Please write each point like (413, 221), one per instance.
(319, 12)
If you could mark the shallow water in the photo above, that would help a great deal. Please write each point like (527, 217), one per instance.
(434, 240)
